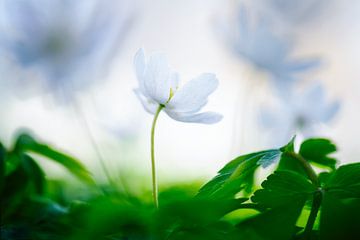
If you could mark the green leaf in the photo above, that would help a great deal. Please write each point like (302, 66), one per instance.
(34, 173)
(339, 219)
(2, 166)
(274, 224)
(270, 158)
(345, 181)
(340, 212)
(26, 143)
(316, 150)
(289, 147)
(233, 177)
(283, 188)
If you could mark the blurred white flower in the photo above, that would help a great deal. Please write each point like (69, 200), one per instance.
(303, 113)
(159, 86)
(256, 43)
(293, 12)
(69, 43)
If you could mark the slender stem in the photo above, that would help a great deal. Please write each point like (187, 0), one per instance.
(86, 125)
(317, 198)
(307, 167)
(313, 214)
(153, 167)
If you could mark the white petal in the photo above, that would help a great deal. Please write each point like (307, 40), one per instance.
(139, 64)
(331, 111)
(206, 117)
(149, 105)
(193, 95)
(158, 78)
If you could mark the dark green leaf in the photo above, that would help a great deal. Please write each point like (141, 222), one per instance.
(28, 144)
(2, 166)
(316, 150)
(236, 175)
(283, 188)
(34, 173)
(339, 219)
(345, 181)
(340, 212)
(274, 224)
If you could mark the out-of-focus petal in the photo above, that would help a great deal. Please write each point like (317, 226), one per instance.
(139, 65)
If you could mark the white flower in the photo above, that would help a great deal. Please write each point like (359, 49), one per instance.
(258, 44)
(294, 12)
(159, 86)
(69, 43)
(303, 113)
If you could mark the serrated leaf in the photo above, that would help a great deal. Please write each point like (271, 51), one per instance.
(25, 143)
(274, 224)
(316, 150)
(234, 176)
(283, 188)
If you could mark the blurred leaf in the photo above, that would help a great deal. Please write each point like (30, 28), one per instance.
(34, 173)
(113, 218)
(317, 150)
(2, 167)
(27, 143)
(14, 191)
(236, 175)
(194, 218)
(283, 188)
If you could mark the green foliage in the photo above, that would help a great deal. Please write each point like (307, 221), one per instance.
(25, 143)
(316, 150)
(235, 176)
(283, 188)
(327, 203)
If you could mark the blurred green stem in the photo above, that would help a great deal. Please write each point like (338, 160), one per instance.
(85, 124)
(153, 168)
(317, 199)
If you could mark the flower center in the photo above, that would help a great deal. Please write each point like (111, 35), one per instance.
(172, 92)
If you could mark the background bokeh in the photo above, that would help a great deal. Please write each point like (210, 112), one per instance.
(187, 31)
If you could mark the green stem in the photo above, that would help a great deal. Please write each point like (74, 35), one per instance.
(313, 214)
(317, 198)
(307, 167)
(153, 168)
